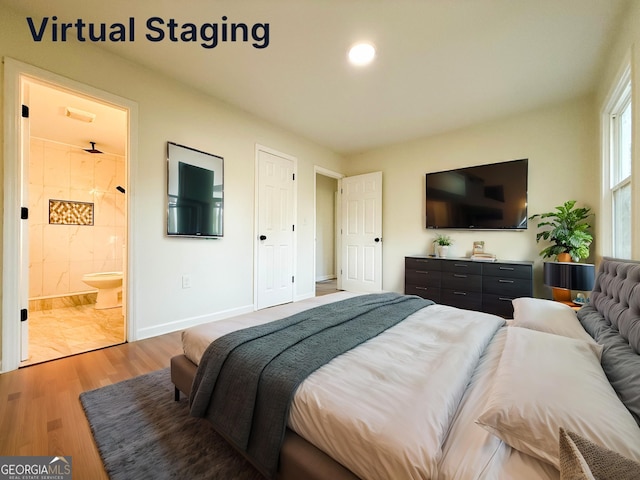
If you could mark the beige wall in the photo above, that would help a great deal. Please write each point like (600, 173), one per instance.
(560, 143)
(626, 48)
(222, 270)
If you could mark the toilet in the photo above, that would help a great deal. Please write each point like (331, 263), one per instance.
(109, 285)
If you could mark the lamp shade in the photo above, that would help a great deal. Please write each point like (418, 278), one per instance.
(569, 275)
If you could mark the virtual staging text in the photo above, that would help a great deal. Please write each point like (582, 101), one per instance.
(156, 29)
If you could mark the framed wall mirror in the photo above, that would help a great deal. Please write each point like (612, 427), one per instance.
(195, 193)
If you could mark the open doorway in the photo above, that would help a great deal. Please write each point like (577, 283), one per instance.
(75, 166)
(18, 78)
(327, 229)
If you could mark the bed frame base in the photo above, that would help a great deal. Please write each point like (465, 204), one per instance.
(298, 458)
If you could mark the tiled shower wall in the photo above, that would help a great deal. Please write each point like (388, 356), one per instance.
(60, 254)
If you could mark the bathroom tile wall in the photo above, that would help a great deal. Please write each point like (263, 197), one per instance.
(60, 254)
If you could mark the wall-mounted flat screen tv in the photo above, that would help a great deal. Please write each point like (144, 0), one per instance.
(482, 197)
(195, 191)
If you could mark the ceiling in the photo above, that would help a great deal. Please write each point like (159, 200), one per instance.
(48, 119)
(440, 65)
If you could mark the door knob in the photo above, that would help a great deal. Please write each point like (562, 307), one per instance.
(376, 239)
(263, 237)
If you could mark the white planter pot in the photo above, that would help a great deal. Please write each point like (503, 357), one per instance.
(442, 250)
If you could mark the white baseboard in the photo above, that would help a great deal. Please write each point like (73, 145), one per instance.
(304, 296)
(324, 278)
(184, 323)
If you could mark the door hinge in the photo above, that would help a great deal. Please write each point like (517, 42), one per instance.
(293, 228)
(24, 213)
(293, 279)
(294, 176)
(25, 111)
(24, 315)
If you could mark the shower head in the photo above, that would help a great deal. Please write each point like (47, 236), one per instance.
(92, 149)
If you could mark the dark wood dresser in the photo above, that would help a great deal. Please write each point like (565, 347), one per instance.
(459, 282)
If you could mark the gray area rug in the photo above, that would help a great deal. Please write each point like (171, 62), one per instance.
(142, 433)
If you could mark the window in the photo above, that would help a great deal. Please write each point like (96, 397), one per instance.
(617, 168)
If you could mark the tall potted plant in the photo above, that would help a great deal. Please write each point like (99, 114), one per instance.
(567, 229)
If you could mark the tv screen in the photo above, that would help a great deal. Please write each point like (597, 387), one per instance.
(483, 197)
(195, 192)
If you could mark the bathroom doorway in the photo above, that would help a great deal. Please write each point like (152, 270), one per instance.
(76, 155)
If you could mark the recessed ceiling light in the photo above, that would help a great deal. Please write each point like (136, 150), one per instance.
(362, 53)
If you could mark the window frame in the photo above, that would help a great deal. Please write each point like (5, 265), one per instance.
(619, 98)
(617, 182)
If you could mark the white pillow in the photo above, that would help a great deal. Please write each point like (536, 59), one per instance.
(544, 382)
(549, 316)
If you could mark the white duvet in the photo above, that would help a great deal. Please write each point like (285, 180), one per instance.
(383, 409)
(395, 395)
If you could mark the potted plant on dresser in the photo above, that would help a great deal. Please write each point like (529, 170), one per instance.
(442, 243)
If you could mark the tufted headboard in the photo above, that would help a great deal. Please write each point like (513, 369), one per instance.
(616, 295)
(612, 318)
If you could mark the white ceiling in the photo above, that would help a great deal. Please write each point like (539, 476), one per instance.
(441, 64)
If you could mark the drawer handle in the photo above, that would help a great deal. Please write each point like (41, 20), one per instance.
(507, 268)
(459, 275)
(505, 281)
(422, 261)
(460, 265)
(421, 288)
(504, 299)
(459, 293)
(422, 272)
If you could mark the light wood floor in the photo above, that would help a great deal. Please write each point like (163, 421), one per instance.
(40, 410)
(326, 287)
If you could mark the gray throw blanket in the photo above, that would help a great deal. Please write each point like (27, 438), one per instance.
(246, 380)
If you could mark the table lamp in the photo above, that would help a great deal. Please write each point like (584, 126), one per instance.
(566, 276)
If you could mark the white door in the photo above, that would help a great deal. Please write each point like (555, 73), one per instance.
(275, 229)
(362, 233)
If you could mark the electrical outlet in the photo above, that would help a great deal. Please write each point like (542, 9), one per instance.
(186, 281)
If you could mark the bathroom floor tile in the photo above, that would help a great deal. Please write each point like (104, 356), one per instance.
(60, 332)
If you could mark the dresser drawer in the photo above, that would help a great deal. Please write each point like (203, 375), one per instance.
(423, 277)
(418, 263)
(460, 299)
(507, 270)
(461, 266)
(514, 287)
(431, 293)
(498, 305)
(462, 281)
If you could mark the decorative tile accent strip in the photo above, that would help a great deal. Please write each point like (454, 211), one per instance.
(65, 212)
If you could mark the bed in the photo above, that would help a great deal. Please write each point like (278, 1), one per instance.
(448, 393)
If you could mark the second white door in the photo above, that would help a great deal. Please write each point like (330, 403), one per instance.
(362, 233)
(275, 229)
